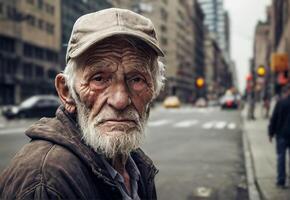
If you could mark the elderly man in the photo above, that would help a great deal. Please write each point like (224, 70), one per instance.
(90, 150)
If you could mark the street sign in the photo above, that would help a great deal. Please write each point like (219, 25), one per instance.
(279, 62)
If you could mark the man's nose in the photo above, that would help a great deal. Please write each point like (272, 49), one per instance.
(119, 96)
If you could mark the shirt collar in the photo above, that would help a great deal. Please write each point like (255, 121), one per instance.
(130, 166)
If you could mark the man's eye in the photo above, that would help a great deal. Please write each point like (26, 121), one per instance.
(137, 80)
(98, 78)
(137, 83)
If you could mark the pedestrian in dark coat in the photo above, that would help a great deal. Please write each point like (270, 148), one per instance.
(91, 149)
(280, 128)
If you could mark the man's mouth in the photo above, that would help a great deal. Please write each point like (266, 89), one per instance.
(118, 121)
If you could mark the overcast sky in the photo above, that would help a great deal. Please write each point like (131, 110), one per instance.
(244, 15)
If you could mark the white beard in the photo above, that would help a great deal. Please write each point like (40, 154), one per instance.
(120, 140)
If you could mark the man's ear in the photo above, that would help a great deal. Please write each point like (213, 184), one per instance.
(64, 94)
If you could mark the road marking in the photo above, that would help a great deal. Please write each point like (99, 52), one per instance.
(12, 131)
(188, 110)
(220, 125)
(158, 123)
(232, 126)
(208, 125)
(180, 110)
(203, 192)
(184, 124)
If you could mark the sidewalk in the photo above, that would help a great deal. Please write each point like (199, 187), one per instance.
(261, 161)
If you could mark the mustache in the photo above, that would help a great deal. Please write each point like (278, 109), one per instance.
(106, 114)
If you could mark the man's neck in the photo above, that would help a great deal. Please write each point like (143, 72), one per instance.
(119, 164)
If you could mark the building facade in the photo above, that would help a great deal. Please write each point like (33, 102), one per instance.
(219, 75)
(70, 11)
(261, 45)
(217, 21)
(29, 48)
(272, 37)
(33, 38)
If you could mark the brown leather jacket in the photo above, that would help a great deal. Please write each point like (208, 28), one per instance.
(56, 164)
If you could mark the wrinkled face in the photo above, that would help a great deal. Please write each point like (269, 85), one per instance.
(113, 89)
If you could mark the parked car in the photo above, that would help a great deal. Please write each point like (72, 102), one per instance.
(171, 102)
(33, 107)
(230, 101)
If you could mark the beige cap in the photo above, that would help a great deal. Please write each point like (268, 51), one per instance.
(94, 27)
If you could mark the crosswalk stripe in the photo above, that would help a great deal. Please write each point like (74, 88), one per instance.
(232, 126)
(184, 124)
(188, 123)
(158, 123)
(220, 125)
(193, 110)
(208, 125)
(12, 131)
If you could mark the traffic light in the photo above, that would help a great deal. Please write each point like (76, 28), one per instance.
(261, 71)
(199, 82)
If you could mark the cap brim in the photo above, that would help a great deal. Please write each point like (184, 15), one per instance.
(97, 37)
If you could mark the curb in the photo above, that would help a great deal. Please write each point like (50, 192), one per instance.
(253, 191)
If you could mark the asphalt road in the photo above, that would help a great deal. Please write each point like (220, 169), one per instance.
(198, 152)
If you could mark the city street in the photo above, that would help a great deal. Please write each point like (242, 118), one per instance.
(197, 150)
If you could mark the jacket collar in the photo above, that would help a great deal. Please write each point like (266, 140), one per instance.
(64, 130)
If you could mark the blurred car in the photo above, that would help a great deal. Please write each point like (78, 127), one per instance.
(201, 103)
(35, 106)
(171, 102)
(230, 101)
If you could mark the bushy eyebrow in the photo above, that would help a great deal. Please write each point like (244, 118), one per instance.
(137, 69)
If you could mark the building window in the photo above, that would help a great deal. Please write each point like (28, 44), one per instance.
(32, 51)
(31, 20)
(39, 53)
(51, 73)
(1, 8)
(163, 14)
(27, 70)
(7, 44)
(50, 28)
(164, 41)
(49, 9)
(39, 72)
(163, 28)
(30, 1)
(11, 12)
(165, 1)
(40, 4)
(51, 56)
(40, 24)
(28, 50)
(285, 12)
(8, 66)
(11, 66)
